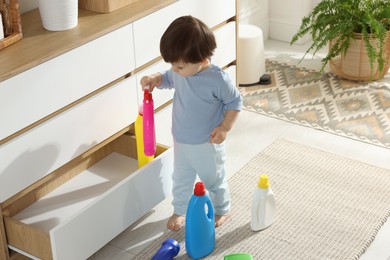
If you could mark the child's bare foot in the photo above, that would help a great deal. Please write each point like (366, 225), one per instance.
(175, 222)
(219, 220)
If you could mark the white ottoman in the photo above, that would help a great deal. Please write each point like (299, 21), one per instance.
(250, 60)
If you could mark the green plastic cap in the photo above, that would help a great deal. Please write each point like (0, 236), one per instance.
(238, 257)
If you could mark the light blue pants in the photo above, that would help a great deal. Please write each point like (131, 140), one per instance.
(206, 161)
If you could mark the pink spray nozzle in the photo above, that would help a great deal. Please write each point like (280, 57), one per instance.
(199, 189)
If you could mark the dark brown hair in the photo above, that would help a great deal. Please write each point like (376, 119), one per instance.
(187, 39)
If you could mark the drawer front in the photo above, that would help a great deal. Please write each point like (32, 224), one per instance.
(54, 84)
(163, 123)
(159, 96)
(116, 209)
(148, 31)
(226, 45)
(232, 71)
(48, 146)
(211, 12)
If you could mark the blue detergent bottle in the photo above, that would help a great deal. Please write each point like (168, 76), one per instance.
(200, 224)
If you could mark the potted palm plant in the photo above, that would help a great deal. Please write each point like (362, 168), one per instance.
(357, 33)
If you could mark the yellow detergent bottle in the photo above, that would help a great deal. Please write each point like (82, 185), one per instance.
(139, 135)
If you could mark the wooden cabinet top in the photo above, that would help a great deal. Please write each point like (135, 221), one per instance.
(39, 45)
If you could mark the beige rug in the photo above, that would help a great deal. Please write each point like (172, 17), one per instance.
(327, 207)
(356, 110)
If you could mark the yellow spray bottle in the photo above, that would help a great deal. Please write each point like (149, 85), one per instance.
(139, 135)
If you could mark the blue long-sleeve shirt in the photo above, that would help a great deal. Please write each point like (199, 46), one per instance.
(200, 102)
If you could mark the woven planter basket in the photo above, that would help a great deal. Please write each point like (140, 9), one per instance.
(13, 30)
(355, 65)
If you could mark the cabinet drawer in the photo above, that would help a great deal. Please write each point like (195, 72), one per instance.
(232, 71)
(41, 150)
(226, 45)
(211, 12)
(160, 97)
(148, 31)
(163, 123)
(86, 212)
(56, 83)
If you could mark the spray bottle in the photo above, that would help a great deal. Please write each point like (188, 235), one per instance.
(139, 137)
(200, 224)
(263, 205)
(148, 123)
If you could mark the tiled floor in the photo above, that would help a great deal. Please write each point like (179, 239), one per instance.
(251, 134)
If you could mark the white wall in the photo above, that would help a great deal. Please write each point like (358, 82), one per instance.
(285, 18)
(278, 19)
(254, 12)
(315, 2)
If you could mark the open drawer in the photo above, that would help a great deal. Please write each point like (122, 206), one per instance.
(102, 194)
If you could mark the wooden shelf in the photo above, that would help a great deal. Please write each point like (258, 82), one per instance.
(39, 45)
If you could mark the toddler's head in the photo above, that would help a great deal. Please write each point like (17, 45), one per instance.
(187, 40)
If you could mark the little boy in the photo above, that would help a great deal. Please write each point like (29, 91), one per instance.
(206, 104)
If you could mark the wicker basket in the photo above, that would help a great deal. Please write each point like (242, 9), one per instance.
(355, 65)
(13, 25)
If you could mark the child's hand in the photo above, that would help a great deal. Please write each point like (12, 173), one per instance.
(152, 81)
(218, 135)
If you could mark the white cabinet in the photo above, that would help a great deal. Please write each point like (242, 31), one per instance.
(211, 12)
(33, 155)
(148, 31)
(24, 99)
(225, 37)
(232, 71)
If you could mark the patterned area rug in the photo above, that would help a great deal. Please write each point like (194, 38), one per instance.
(318, 216)
(356, 110)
